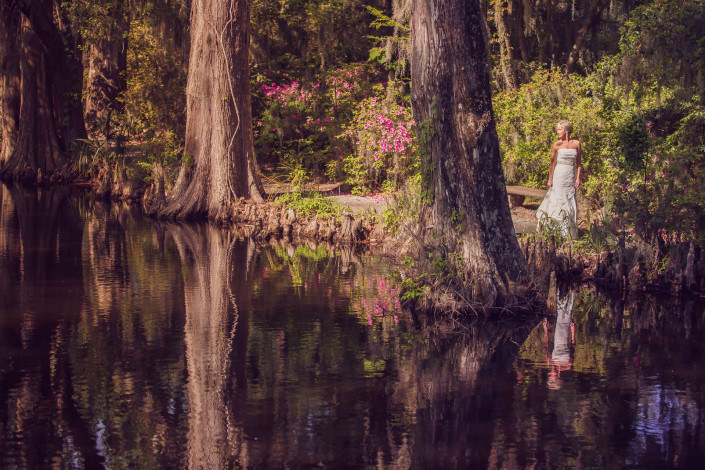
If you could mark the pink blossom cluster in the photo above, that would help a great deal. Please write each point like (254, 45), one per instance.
(283, 93)
(341, 87)
(392, 129)
(343, 82)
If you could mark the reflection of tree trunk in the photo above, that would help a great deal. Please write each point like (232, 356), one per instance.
(42, 232)
(461, 393)
(213, 327)
(9, 249)
(46, 226)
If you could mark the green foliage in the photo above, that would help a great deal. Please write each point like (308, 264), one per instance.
(668, 199)
(526, 120)
(633, 142)
(156, 80)
(94, 20)
(301, 36)
(408, 205)
(412, 290)
(662, 43)
(167, 150)
(92, 154)
(310, 203)
(392, 50)
(599, 234)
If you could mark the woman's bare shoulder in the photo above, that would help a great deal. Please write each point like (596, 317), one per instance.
(571, 144)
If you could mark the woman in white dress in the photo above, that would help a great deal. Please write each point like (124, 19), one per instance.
(559, 208)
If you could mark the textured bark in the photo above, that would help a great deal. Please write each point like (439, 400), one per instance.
(51, 114)
(38, 152)
(517, 15)
(219, 116)
(107, 61)
(451, 92)
(64, 61)
(9, 79)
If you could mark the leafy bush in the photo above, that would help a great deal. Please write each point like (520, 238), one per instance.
(297, 124)
(668, 198)
(381, 136)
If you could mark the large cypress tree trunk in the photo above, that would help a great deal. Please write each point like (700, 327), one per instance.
(38, 152)
(51, 114)
(9, 79)
(219, 116)
(451, 94)
(107, 61)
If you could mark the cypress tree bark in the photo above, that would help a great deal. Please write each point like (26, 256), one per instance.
(219, 116)
(38, 152)
(51, 114)
(9, 79)
(451, 93)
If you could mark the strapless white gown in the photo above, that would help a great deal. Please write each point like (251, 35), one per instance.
(559, 207)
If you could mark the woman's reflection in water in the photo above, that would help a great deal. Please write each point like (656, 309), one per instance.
(561, 358)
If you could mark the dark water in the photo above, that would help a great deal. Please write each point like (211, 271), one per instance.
(130, 344)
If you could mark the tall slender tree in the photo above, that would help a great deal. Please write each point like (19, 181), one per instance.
(451, 94)
(218, 114)
(107, 62)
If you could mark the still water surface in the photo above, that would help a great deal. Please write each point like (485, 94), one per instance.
(126, 343)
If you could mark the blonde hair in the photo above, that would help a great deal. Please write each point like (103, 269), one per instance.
(566, 125)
